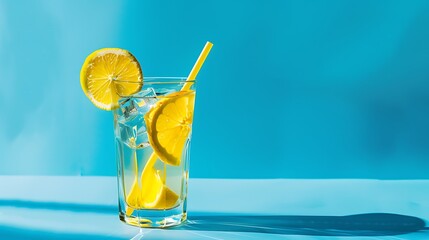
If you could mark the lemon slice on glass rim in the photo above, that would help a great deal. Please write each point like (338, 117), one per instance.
(109, 73)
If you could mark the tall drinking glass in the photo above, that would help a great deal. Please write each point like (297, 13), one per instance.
(152, 138)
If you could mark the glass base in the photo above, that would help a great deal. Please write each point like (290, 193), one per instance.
(155, 218)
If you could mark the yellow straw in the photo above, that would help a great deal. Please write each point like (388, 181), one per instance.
(197, 66)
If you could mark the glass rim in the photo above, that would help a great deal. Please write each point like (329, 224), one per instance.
(166, 80)
(160, 80)
(149, 81)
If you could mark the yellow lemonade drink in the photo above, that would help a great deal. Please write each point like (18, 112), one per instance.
(153, 126)
(152, 138)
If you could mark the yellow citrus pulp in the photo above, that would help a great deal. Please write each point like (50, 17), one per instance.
(169, 125)
(153, 193)
(109, 73)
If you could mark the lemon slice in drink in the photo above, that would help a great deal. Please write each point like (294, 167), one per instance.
(169, 125)
(153, 193)
(109, 73)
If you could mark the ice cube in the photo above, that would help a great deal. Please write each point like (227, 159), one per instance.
(147, 98)
(142, 141)
(164, 91)
(129, 107)
(127, 134)
(132, 131)
(148, 92)
(138, 142)
(131, 124)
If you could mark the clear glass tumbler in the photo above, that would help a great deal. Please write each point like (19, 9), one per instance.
(152, 137)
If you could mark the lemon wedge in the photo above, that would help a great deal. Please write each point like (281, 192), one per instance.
(109, 73)
(153, 193)
(169, 124)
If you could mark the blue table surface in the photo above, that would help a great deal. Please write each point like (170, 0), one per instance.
(59, 207)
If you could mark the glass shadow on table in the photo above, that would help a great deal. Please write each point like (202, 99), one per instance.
(370, 224)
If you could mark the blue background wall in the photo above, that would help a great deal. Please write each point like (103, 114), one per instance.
(292, 89)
